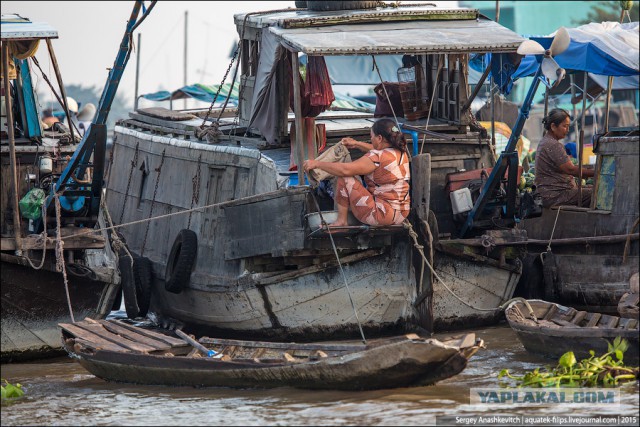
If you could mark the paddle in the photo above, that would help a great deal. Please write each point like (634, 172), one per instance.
(196, 344)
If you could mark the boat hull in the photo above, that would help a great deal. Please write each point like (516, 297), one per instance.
(312, 306)
(34, 302)
(481, 286)
(558, 331)
(139, 355)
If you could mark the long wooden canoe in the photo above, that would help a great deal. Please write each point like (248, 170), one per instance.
(118, 351)
(557, 329)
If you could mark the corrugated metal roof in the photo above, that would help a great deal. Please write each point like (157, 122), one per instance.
(410, 37)
(15, 27)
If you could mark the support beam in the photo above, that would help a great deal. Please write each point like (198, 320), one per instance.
(297, 110)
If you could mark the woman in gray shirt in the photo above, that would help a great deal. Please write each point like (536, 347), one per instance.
(554, 169)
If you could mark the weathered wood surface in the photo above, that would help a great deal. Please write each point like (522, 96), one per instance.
(33, 241)
(560, 329)
(389, 362)
(421, 185)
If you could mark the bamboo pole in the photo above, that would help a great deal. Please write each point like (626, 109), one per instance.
(581, 142)
(63, 93)
(609, 88)
(17, 229)
(297, 109)
(135, 98)
(184, 80)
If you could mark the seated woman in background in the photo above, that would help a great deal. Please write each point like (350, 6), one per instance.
(554, 169)
(385, 165)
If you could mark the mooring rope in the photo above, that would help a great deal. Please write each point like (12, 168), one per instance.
(60, 266)
(420, 249)
(344, 277)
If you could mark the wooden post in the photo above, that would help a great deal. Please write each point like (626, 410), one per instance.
(63, 93)
(297, 110)
(12, 150)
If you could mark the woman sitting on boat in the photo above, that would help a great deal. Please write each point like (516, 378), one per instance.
(385, 200)
(554, 169)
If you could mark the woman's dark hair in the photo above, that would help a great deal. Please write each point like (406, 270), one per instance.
(555, 116)
(388, 129)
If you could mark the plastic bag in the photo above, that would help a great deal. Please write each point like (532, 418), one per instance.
(31, 204)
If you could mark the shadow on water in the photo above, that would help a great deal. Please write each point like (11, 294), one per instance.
(61, 392)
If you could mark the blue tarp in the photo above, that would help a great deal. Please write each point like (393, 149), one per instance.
(206, 93)
(607, 49)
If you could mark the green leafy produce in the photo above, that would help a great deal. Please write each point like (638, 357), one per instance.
(607, 370)
(10, 391)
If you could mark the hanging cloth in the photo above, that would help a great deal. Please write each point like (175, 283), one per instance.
(316, 92)
(19, 49)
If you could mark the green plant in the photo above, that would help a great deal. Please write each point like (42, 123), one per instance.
(607, 370)
(10, 391)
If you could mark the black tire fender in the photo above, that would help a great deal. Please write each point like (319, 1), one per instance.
(127, 281)
(181, 261)
(143, 278)
(341, 5)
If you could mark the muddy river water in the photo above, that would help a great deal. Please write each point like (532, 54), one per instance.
(61, 392)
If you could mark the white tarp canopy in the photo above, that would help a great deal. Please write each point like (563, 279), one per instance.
(410, 37)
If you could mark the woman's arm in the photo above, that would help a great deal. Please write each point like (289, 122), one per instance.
(352, 143)
(570, 169)
(362, 166)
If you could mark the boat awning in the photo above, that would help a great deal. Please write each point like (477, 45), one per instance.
(15, 27)
(409, 37)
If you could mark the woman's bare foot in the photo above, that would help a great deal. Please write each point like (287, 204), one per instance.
(338, 224)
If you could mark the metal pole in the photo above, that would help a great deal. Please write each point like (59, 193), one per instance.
(497, 11)
(493, 113)
(135, 102)
(297, 109)
(581, 145)
(184, 82)
(17, 229)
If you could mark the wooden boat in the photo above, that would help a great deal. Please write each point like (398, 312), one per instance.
(583, 257)
(253, 266)
(52, 269)
(117, 351)
(557, 329)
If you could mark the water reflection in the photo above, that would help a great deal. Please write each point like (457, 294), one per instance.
(61, 392)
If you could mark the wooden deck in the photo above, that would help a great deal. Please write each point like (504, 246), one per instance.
(114, 335)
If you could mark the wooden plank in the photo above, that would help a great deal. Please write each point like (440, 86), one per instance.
(553, 309)
(104, 346)
(631, 324)
(117, 339)
(134, 335)
(176, 342)
(594, 320)
(283, 346)
(90, 339)
(624, 323)
(608, 321)
(579, 317)
(564, 323)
